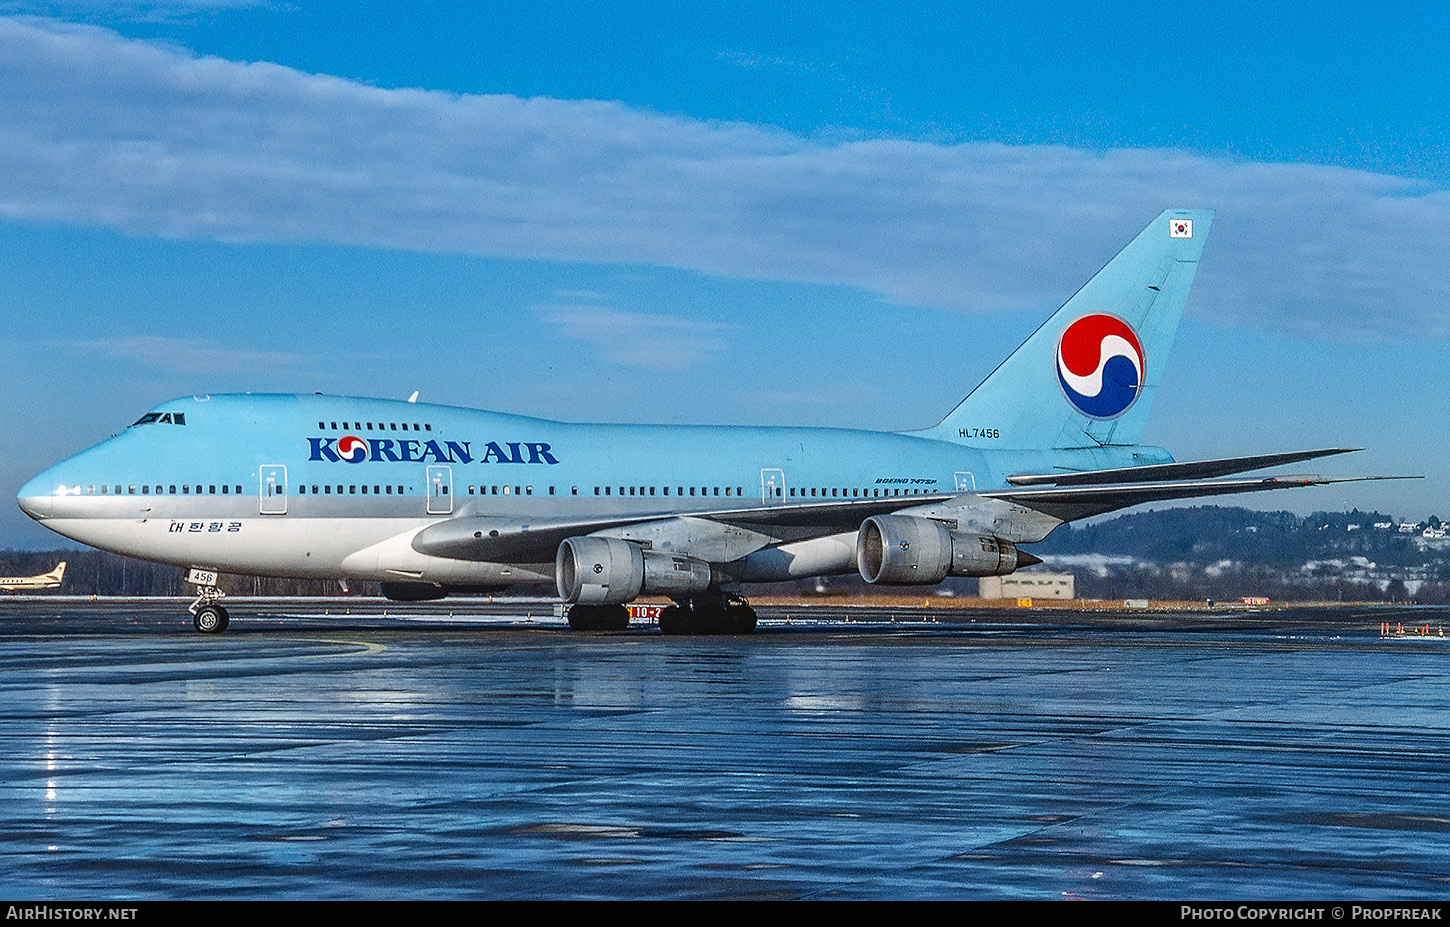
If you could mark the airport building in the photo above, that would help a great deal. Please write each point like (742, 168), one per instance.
(1028, 586)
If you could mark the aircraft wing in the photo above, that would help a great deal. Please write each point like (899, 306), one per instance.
(505, 540)
(487, 538)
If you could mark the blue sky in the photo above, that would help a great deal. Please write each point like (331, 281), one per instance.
(793, 213)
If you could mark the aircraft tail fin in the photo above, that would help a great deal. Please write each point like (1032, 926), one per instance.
(58, 573)
(1088, 376)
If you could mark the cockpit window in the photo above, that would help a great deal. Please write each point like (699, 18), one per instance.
(169, 418)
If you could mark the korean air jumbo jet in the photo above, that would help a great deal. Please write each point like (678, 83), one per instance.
(432, 499)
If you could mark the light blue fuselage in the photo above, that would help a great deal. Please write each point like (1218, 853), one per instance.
(240, 468)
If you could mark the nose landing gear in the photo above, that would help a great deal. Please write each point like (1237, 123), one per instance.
(210, 619)
(207, 616)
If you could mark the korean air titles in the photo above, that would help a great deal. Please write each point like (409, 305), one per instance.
(355, 449)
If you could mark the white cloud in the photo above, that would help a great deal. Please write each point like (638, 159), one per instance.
(189, 356)
(110, 11)
(100, 130)
(636, 339)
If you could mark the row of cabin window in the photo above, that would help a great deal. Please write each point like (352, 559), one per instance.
(853, 493)
(602, 491)
(368, 426)
(824, 492)
(835, 493)
(320, 490)
(187, 490)
(679, 490)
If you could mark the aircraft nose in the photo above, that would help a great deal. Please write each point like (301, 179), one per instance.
(35, 497)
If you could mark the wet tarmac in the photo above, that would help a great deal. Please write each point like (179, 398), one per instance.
(490, 753)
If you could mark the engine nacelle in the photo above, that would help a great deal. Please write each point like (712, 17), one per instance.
(610, 571)
(906, 550)
(599, 571)
(673, 575)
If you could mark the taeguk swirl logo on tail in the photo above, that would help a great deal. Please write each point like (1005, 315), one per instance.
(1100, 365)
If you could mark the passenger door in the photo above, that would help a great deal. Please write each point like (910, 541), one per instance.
(273, 479)
(440, 490)
(772, 487)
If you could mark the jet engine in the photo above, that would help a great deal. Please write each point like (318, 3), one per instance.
(907, 550)
(609, 571)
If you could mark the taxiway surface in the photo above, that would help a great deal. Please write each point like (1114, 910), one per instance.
(483, 751)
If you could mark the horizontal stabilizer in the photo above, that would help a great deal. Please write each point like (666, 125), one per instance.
(1070, 503)
(1191, 470)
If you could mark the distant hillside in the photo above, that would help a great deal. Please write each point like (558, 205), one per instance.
(1210, 533)
(1221, 552)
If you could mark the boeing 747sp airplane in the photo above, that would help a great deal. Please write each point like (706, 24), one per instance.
(434, 499)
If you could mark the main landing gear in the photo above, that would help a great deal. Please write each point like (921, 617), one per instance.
(598, 617)
(716, 613)
(709, 614)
